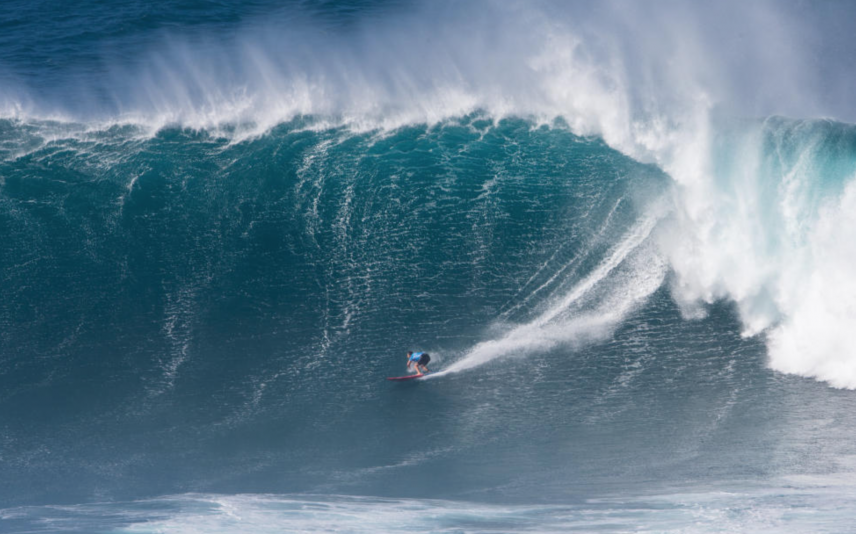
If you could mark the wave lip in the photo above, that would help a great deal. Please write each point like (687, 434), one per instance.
(627, 74)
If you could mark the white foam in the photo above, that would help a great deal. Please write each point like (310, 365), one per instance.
(782, 506)
(764, 218)
(817, 292)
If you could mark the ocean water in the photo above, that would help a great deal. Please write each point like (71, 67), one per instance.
(625, 235)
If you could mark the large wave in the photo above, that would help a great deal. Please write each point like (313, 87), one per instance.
(760, 211)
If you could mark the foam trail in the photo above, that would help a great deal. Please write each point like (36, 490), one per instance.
(635, 238)
(556, 275)
(644, 272)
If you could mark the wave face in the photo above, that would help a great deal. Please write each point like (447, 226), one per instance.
(222, 227)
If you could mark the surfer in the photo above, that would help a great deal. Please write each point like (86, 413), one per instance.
(419, 360)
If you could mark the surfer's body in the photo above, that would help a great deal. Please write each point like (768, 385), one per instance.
(419, 360)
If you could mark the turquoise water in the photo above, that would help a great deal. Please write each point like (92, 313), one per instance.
(223, 225)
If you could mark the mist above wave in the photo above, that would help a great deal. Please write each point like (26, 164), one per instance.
(615, 69)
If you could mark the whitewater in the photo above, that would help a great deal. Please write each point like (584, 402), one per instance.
(624, 233)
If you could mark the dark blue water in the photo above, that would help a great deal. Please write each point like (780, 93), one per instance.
(224, 224)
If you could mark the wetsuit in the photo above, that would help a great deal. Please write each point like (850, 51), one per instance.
(421, 358)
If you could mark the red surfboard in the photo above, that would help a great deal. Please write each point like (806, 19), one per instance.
(408, 377)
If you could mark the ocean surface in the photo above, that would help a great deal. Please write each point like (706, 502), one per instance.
(625, 234)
